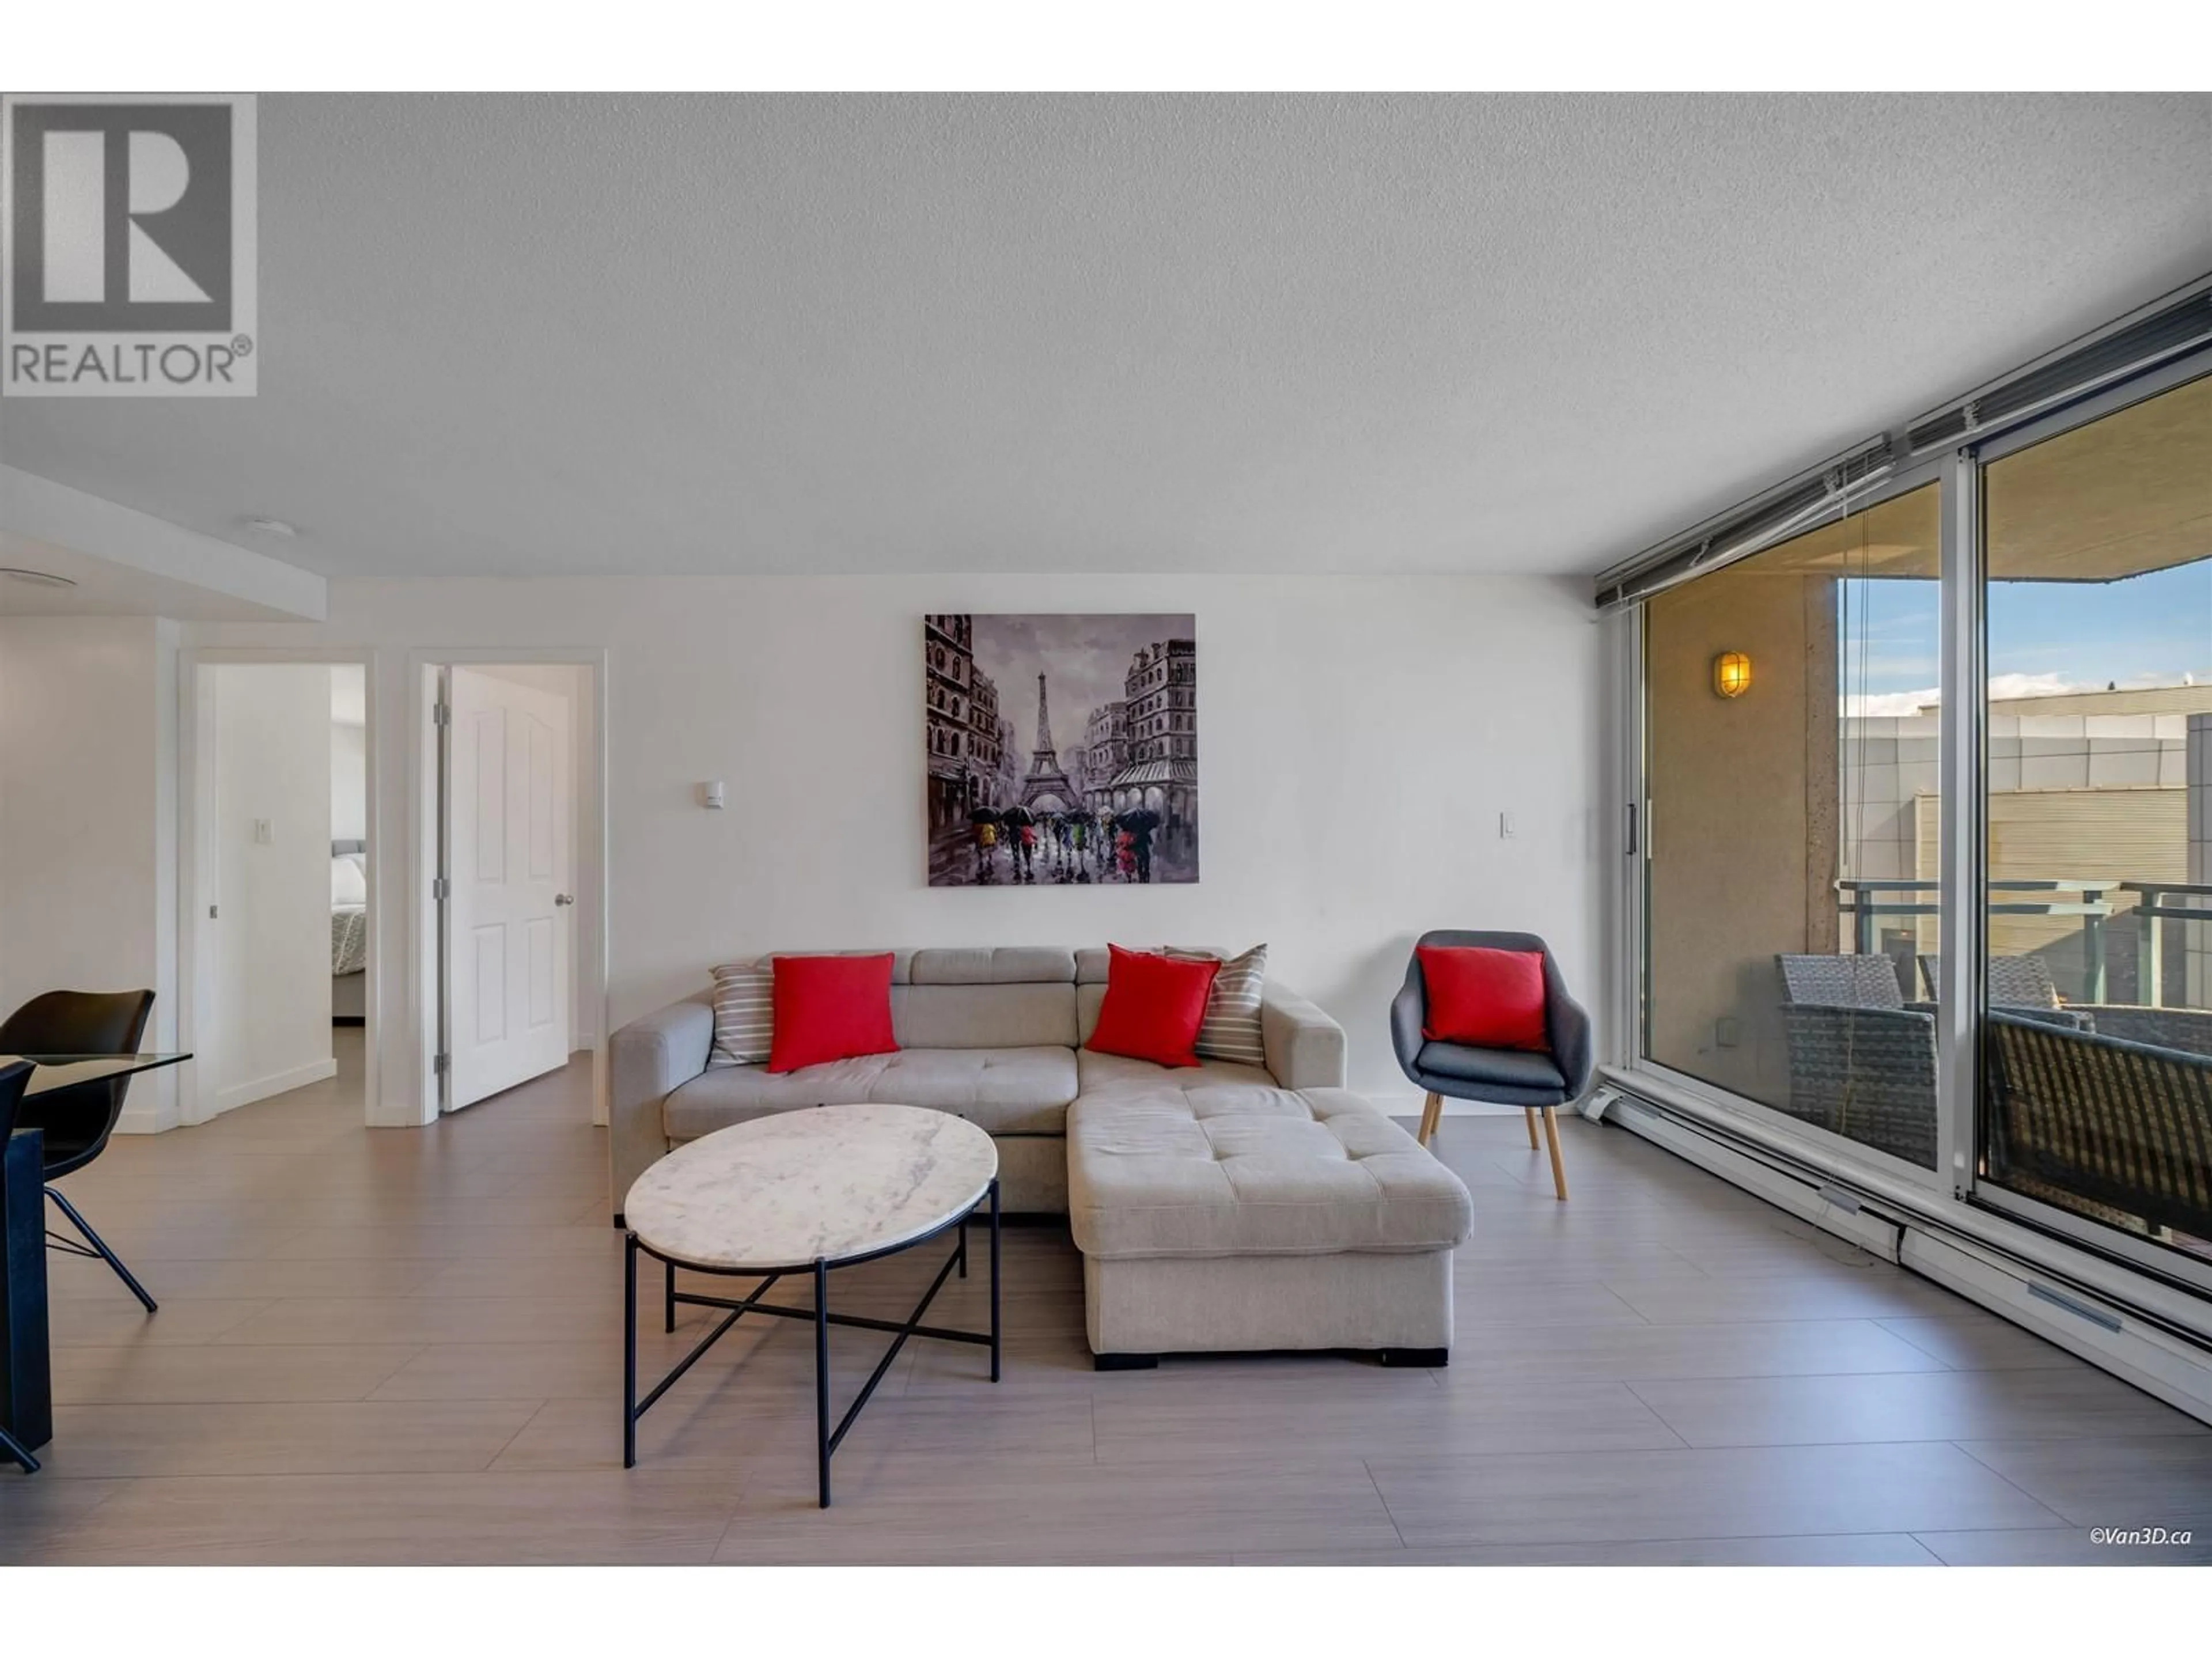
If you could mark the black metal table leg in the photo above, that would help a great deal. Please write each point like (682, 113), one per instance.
(100, 1249)
(821, 1376)
(14, 1450)
(827, 1438)
(629, 1352)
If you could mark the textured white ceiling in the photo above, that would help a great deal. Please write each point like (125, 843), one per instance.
(526, 334)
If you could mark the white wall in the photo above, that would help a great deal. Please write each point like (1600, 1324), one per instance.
(1359, 737)
(87, 818)
(348, 754)
(266, 744)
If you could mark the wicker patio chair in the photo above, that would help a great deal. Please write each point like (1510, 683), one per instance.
(1861, 1064)
(2185, 1030)
(2022, 986)
(1868, 982)
(2110, 1123)
(1868, 1074)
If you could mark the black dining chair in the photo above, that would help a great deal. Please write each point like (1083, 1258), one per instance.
(14, 1077)
(78, 1120)
(1537, 1082)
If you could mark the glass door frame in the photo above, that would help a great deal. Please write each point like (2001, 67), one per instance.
(1971, 598)
(1633, 1005)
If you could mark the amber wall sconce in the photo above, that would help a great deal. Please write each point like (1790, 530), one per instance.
(1731, 674)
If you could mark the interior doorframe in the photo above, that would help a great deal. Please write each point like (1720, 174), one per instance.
(194, 1105)
(588, 859)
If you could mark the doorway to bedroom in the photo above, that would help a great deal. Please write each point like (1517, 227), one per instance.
(281, 854)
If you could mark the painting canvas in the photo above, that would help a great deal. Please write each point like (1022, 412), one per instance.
(1062, 750)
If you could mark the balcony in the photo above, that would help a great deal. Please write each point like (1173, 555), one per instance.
(2098, 1107)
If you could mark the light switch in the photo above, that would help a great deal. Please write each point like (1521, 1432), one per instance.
(261, 836)
(1507, 828)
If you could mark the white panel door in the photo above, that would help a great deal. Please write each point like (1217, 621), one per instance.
(506, 961)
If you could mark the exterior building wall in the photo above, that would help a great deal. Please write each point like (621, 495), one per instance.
(2077, 793)
(1733, 794)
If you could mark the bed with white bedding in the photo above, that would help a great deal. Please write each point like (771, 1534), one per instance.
(348, 931)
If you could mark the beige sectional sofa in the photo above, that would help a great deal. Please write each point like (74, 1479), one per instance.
(1217, 1207)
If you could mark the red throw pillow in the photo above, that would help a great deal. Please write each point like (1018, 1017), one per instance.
(1153, 1008)
(1489, 998)
(830, 1008)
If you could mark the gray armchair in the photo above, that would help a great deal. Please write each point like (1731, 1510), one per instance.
(1502, 1077)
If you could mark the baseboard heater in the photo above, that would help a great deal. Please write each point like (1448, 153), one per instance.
(1803, 1193)
(2137, 1342)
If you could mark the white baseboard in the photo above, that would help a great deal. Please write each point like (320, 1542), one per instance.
(150, 1119)
(277, 1083)
(1828, 1207)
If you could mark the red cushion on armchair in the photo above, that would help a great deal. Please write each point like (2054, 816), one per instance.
(1486, 999)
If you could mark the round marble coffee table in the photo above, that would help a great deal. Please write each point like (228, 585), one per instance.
(806, 1192)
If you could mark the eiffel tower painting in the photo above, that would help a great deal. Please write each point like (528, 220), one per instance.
(1111, 798)
(1046, 789)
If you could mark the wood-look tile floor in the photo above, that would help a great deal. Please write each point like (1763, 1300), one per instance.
(405, 1347)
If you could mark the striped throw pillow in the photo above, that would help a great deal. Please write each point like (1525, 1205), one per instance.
(744, 1014)
(1231, 1029)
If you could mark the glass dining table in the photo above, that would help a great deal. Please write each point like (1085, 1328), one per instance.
(27, 1413)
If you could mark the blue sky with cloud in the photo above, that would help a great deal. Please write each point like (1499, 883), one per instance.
(2044, 636)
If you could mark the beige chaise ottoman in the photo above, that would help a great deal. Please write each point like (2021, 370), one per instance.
(1225, 1217)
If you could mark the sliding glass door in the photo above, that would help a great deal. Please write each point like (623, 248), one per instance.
(1790, 886)
(2097, 808)
(1919, 806)
(1793, 800)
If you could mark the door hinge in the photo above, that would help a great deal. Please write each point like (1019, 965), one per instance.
(1631, 848)
(441, 888)
(442, 1064)
(441, 713)
(211, 911)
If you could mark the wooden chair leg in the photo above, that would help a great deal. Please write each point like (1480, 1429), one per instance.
(1531, 1115)
(1432, 1111)
(1559, 1169)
